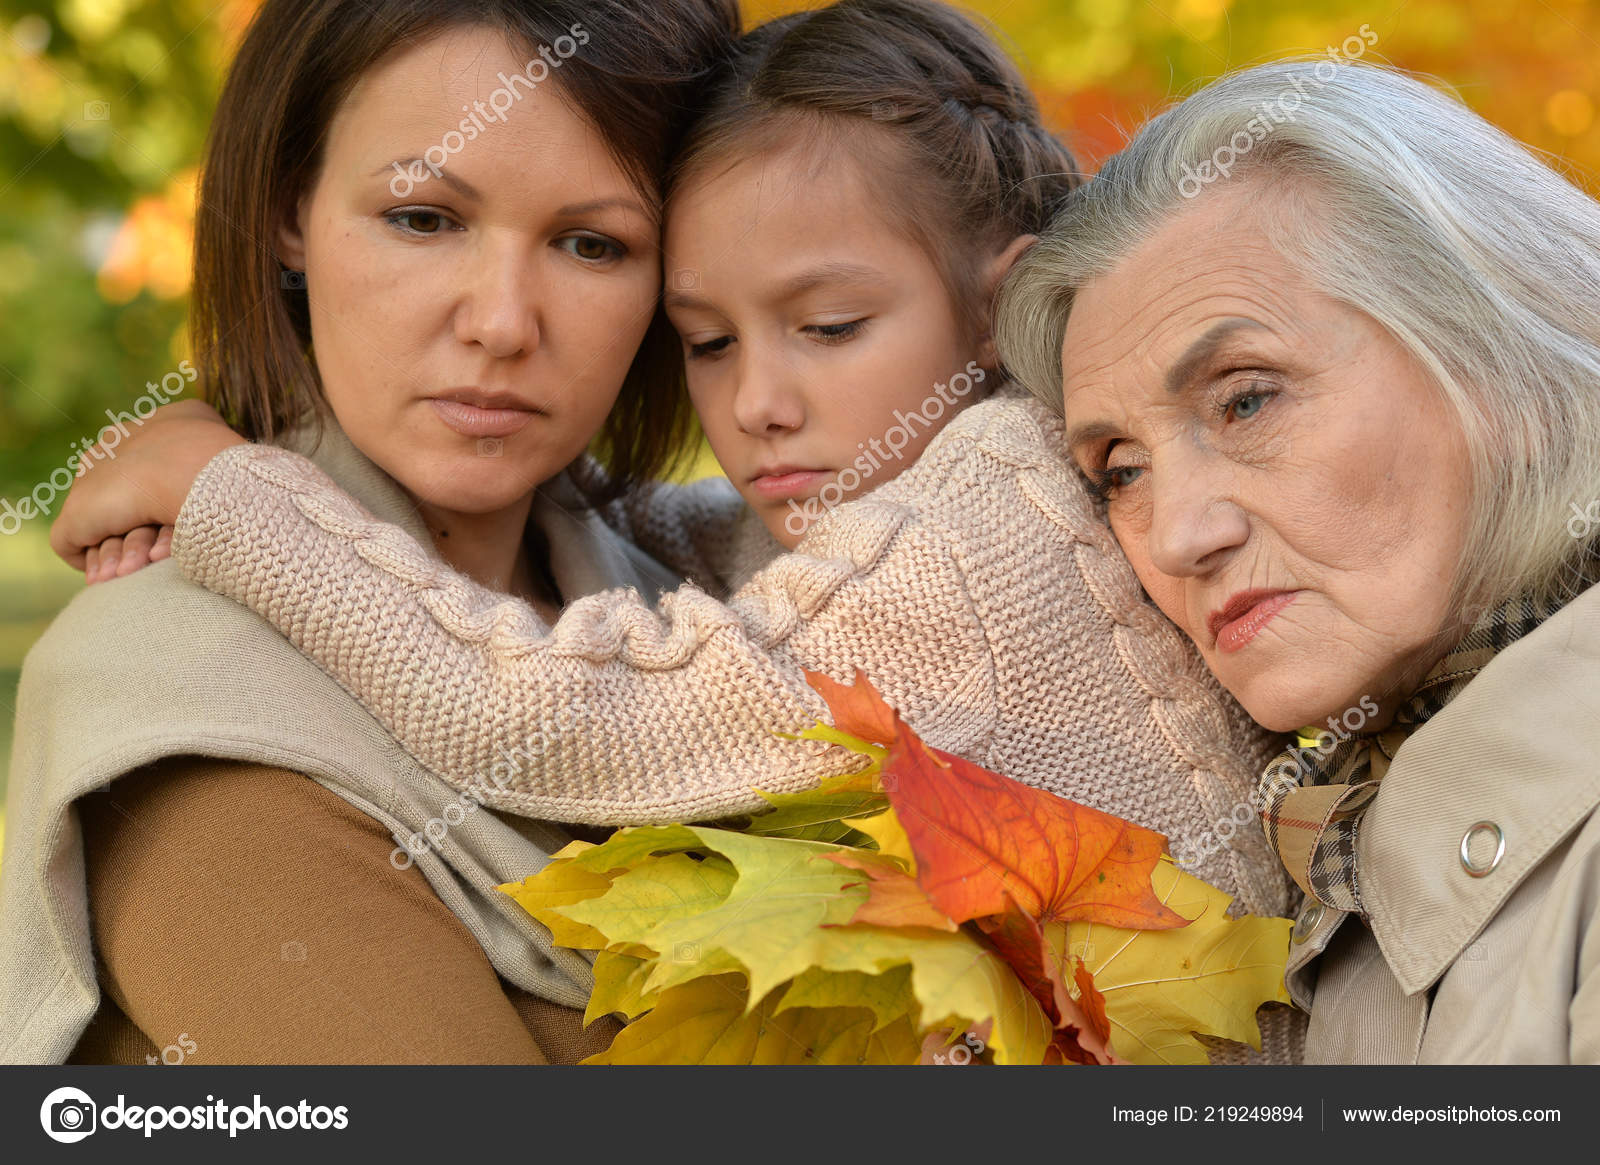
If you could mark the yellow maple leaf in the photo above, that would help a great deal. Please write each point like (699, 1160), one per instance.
(709, 1021)
(1161, 986)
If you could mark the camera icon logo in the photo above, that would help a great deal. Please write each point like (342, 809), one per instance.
(885, 111)
(97, 111)
(292, 280)
(292, 952)
(686, 279)
(491, 446)
(68, 1115)
(686, 953)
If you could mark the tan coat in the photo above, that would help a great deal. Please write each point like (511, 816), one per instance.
(1495, 969)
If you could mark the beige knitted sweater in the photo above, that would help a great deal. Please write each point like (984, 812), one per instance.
(979, 590)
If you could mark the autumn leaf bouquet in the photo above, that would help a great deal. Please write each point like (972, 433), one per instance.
(923, 910)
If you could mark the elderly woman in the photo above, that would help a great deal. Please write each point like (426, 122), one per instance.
(1328, 346)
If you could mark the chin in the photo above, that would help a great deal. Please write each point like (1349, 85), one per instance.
(1285, 699)
(474, 487)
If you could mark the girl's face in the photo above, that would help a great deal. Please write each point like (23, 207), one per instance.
(480, 272)
(823, 349)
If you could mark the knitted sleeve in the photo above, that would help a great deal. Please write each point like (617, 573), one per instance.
(692, 529)
(619, 713)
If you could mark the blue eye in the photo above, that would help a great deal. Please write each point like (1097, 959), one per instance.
(1246, 405)
(1107, 481)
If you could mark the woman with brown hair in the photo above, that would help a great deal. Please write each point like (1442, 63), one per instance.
(238, 911)
(838, 222)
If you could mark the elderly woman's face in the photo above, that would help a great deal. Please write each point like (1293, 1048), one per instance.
(1288, 485)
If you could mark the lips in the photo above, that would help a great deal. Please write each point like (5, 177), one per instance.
(475, 413)
(783, 481)
(1244, 615)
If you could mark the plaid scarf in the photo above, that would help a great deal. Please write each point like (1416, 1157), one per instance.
(1313, 795)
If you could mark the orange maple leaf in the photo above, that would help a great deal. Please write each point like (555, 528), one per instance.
(1020, 941)
(982, 840)
(894, 897)
(858, 709)
(1091, 1001)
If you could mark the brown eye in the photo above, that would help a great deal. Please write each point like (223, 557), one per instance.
(592, 248)
(424, 222)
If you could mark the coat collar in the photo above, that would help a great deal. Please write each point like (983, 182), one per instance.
(1514, 749)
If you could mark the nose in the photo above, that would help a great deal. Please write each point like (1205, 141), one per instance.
(499, 310)
(768, 398)
(1195, 523)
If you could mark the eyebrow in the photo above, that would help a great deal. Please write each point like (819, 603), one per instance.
(837, 271)
(615, 202)
(1200, 353)
(1180, 375)
(459, 184)
(571, 210)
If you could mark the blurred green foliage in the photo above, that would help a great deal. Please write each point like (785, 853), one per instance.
(103, 109)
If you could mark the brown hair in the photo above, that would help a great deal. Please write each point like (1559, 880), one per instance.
(976, 167)
(637, 80)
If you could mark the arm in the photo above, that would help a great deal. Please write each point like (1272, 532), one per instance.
(617, 714)
(126, 497)
(257, 914)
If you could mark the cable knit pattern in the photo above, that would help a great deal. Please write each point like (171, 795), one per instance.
(979, 589)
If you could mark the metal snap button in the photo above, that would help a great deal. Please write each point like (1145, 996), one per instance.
(1307, 922)
(1480, 869)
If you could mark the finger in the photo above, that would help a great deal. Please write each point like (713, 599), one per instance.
(91, 565)
(136, 550)
(110, 555)
(62, 545)
(163, 547)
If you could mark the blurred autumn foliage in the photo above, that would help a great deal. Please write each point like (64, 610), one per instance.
(104, 103)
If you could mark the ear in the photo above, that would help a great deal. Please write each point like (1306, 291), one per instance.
(994, 273)
(291, 237)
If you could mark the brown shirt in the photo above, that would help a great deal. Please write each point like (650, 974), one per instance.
(245, 914)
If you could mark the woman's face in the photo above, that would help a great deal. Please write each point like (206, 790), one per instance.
(1286, 481)
(472, 327)
(813, 329)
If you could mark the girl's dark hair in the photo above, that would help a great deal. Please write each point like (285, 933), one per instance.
(638, 79)
(976, 166)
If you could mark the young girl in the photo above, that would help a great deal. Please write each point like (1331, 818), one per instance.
(838, 223)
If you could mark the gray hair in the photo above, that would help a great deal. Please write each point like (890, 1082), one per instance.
(1482, 261)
